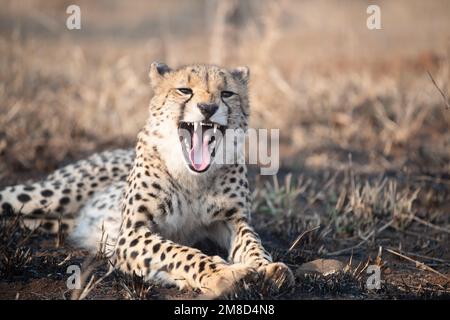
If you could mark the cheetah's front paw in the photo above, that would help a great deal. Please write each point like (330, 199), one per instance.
(224, 280)
(277, 276)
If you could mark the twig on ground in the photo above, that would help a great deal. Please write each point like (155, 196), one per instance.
(430, 225)
(297, 241)
(412, 233)
(444, 96)
(419, 264)
(365, 239)
(428, 257)
(69, 256)
(91, 285)
(339, 252)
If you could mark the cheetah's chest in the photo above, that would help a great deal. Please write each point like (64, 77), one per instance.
(188, 221)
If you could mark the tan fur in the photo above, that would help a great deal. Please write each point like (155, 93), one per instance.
(164, 207)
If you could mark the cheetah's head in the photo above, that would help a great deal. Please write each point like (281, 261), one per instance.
(191, 110)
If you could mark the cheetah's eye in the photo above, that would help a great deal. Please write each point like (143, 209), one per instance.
(185, 91)
(227, 94)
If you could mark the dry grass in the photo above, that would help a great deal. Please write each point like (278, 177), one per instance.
(364, 131)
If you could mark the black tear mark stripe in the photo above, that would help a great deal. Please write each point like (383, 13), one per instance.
(228, 107)
(207, 81)
(183, 108)
(241, 107)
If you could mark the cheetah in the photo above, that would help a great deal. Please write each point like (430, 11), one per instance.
(156, 201)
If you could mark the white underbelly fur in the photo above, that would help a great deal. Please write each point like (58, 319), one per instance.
(96, 227)
(98, 223)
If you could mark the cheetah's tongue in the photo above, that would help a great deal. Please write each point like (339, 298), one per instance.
(199, 154)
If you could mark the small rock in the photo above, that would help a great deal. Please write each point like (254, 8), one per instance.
(321, 266)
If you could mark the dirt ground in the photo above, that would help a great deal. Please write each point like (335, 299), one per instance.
(365, 142)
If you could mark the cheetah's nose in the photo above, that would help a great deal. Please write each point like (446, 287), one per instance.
(207, 109)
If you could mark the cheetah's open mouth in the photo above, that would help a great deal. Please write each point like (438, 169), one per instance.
(198, 142)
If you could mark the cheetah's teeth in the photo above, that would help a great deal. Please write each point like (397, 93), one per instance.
(215, 128)
(195, 126)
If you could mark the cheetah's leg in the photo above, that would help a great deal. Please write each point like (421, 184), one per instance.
(246, 248)
(149, 255)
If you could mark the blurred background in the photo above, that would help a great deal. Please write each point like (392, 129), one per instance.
(365, 141)
(330, 84)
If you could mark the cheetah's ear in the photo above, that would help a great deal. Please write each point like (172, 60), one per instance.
(241, 73)
(157, 72)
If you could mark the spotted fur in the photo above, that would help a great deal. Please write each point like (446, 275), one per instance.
(149, 204)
